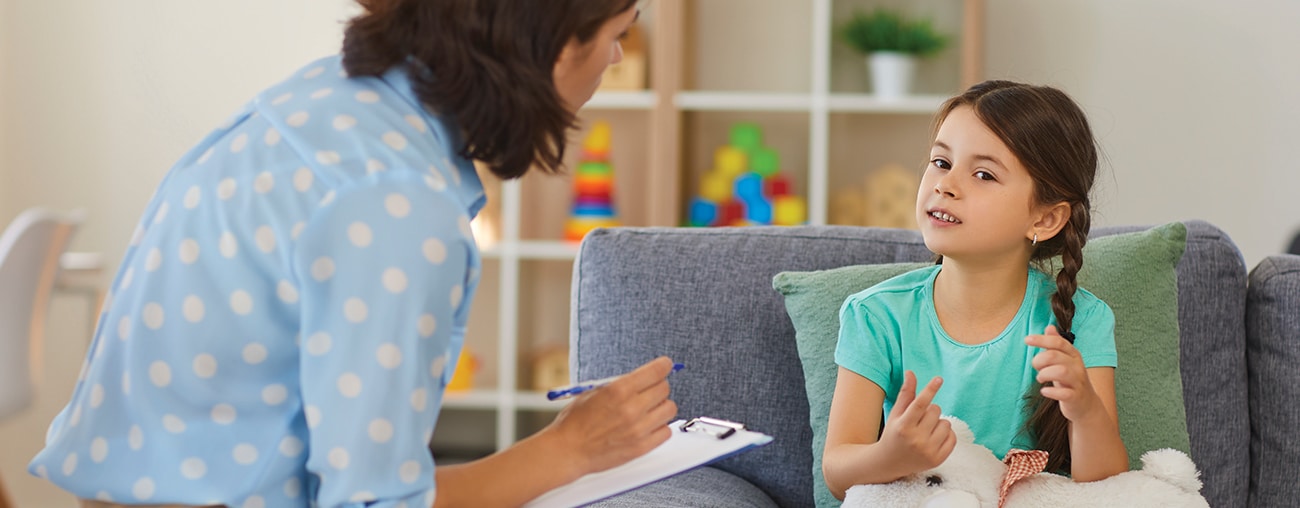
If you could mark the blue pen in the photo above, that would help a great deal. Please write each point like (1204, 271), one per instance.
(565, 392)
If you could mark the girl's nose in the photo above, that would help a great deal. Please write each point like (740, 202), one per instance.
(945, 186)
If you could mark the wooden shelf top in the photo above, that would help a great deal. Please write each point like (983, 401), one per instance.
(488, 399)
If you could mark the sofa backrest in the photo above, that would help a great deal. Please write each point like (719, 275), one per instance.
(704, 297)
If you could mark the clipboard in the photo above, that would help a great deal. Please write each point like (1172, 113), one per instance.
(693, 444)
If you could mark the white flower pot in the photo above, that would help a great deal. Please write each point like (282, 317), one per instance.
(891, 74)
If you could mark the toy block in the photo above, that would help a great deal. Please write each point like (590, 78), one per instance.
(764, 161)
(789, 210)
(746, 136)
(716, 187)
(731, 211)
(776, 185)
(703, 213)
(758, 210)
(729, 160)
(749, 186)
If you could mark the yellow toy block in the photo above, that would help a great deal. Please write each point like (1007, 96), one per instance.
(789, 210)
(730, 161)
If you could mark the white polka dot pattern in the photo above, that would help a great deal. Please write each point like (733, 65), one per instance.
(308, 267)
(254, 353)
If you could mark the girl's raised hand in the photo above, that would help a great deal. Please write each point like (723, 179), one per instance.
(914, 433)
(1061, 365)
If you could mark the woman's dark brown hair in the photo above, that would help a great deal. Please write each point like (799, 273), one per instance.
(1050, 136)
(485, 64)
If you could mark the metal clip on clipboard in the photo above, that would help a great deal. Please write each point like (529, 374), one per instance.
(715, 427)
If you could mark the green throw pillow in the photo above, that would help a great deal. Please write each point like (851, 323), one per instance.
(1134, 273)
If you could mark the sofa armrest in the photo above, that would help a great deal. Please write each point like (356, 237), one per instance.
(1273, 354)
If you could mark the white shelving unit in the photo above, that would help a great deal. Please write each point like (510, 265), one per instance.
(661, 118)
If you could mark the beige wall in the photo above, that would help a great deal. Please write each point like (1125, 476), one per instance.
(6, 40)
(1194, 102)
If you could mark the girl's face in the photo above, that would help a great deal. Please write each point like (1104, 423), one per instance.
(580, 66)
(976, 199)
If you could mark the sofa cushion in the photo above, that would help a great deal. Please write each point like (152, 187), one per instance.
(1134, 273)
(1273, 352)
(810, 300)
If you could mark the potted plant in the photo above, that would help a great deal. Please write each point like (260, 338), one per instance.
(892, 44)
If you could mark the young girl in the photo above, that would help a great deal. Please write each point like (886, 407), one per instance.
(1006, 185)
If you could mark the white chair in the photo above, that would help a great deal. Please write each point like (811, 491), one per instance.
(30, 249)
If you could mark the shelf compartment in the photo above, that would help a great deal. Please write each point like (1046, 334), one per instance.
(787, 133)
(463, 436)
(543, 345)
(938, 74)
(878, 159)
(532, 421)
(546, 201)
(749, 45)
(483, 329)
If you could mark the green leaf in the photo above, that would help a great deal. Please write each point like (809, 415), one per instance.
(888, 30)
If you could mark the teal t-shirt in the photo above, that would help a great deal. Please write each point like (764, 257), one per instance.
(892, 327)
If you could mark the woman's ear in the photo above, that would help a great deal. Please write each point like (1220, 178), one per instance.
(561, 67)
(1051, 220)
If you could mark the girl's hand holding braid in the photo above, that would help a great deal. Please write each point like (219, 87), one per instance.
(1063, 375)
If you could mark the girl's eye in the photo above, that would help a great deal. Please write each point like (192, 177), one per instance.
(984, 175)
(941, 164)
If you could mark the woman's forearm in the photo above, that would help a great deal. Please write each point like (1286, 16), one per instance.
(507, 478)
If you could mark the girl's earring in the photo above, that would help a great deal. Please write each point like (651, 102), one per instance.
(1035, 242)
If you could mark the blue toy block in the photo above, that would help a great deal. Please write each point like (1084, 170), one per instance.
(758, 210)
(749, 186)
(703, 213)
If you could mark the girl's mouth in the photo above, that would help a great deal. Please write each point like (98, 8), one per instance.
(944, 216)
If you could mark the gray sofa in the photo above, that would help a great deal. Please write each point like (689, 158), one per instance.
(706, 295)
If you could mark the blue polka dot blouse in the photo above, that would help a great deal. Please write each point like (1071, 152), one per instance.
(288, 313)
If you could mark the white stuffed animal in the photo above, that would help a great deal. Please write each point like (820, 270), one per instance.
(972, 477)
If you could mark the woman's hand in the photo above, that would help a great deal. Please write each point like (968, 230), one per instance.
(600, 429)
(914, 434)
(1061, 365)
(620, 421)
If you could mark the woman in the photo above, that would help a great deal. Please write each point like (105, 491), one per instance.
(288, 313)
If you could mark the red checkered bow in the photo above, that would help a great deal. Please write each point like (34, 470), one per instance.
(1021, 464)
